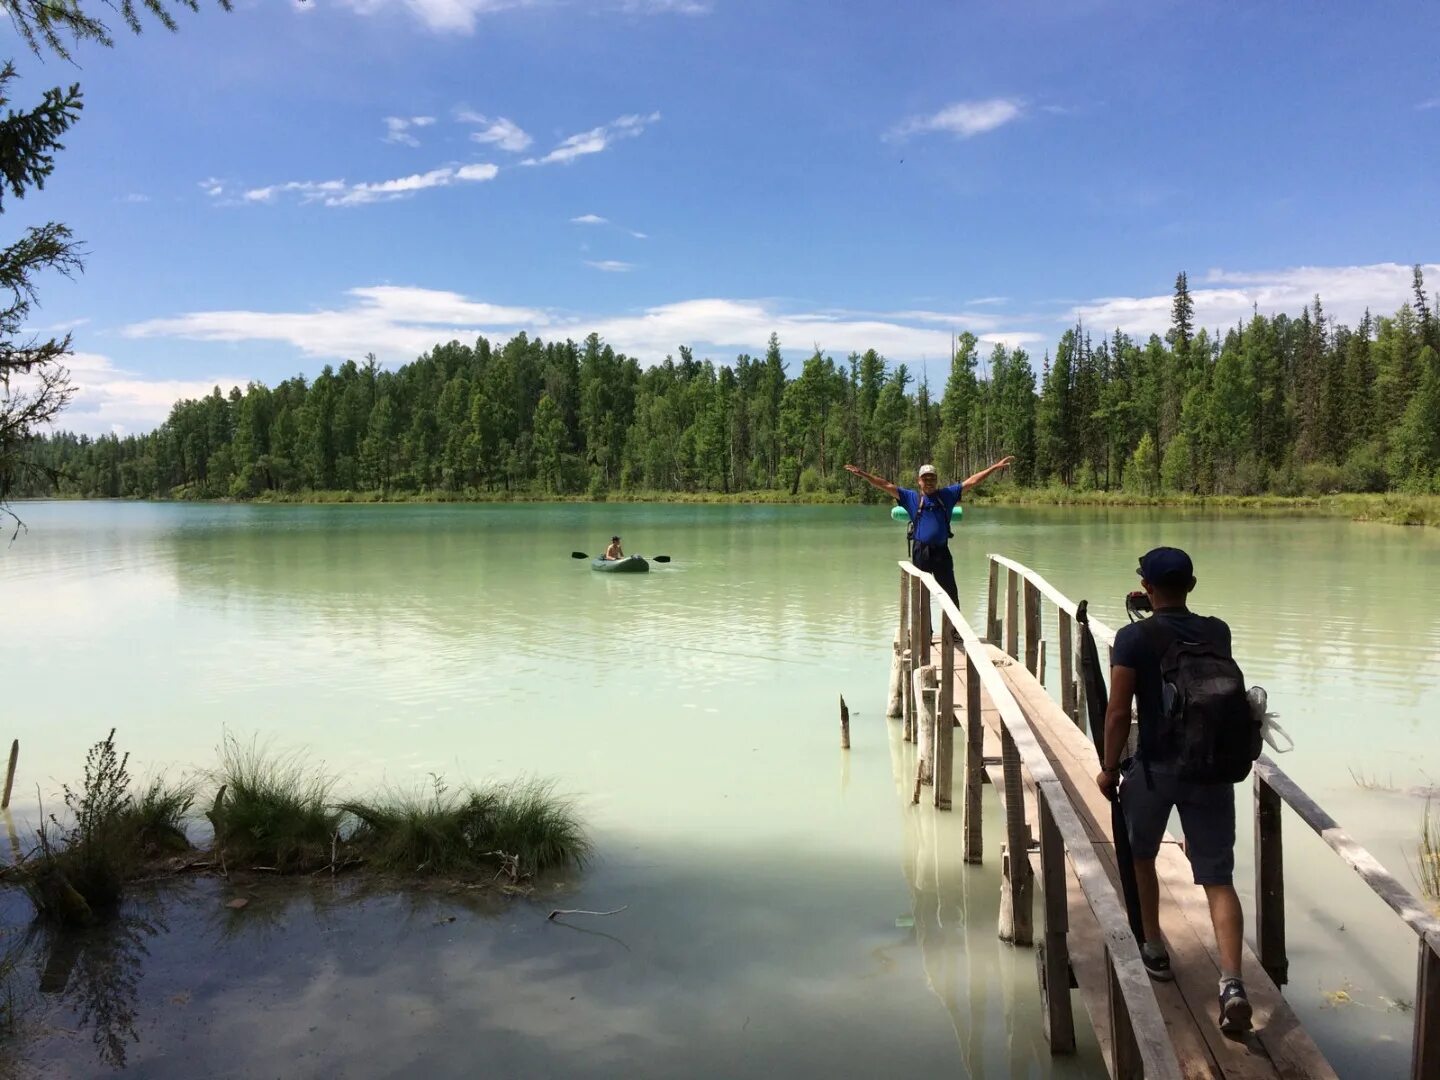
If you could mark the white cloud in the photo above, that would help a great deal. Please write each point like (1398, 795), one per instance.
(441, 16)
(399, 323)
(498, 131)
(109, 399)
(964, 118)
(596, 139)
(1432, 103)
(1223, 298)
(657, 7)
(212, 187)
(610, 266)
(639, 235)
(134, 198)
(589, 219)
(397, 128)
(341, 193)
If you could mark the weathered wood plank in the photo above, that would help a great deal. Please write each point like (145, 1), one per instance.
(1032, 629)
(1017, 901)
(1012, 614)
(1054, 963)
(1269, 884)
(945, 722)
(1067, 663)
(1425, 1053)
(974, 762)
(1384, 884)
(992, 605)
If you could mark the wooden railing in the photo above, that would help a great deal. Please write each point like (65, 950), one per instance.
(1272, 787)
(1140, 1044)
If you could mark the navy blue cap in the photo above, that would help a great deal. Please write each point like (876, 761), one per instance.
(1166, 566)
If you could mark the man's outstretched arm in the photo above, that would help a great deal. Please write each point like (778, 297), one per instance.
(874, 481)
(979, 477)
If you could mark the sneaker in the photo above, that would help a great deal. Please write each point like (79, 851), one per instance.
(1234, 1008)
(1157, 964)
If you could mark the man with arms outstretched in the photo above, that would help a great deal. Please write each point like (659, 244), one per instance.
(929, 509)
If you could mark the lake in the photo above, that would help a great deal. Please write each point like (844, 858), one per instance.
(785, 910)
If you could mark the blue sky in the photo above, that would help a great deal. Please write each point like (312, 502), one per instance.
(291, 184)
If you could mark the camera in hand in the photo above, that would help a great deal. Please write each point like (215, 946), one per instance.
(1137, 605)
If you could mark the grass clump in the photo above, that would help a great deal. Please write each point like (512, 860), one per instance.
(156, 819)
(520, 829)
(273, 811)
(1429, 852)
(77, 873)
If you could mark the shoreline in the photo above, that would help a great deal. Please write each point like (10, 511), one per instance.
(1386, 508)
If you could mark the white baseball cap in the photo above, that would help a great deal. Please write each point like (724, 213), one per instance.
(926, 470)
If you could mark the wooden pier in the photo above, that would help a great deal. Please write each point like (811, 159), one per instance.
(1035, 752)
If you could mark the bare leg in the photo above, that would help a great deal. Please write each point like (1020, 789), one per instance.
(1228, 918)
(1148, 886)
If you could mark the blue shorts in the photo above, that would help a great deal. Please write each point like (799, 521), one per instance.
(1207, 818)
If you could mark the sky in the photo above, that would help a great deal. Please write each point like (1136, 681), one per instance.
(293, 184)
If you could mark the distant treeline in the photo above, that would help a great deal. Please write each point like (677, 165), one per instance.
(1289, 405)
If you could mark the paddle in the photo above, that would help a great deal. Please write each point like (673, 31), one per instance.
(1096, 699)
(653, 558)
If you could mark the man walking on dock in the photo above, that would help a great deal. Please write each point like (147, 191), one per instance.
(929, 509)
(1194, 745)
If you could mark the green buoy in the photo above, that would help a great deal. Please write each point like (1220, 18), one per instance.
(898, 513)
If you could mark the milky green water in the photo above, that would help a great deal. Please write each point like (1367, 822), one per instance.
(786, 910)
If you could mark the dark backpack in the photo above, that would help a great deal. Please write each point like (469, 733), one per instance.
(1206, 724)
(915, 520)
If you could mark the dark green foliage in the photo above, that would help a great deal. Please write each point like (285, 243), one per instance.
(273, 810)
(522, 827)
(78, 871)
(156, 820)
(1259, 408)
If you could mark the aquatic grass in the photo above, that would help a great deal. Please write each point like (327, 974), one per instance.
(537, 827)
(1429, 853)
(523, 828)
(273, 810)
(1372, 783)
(155, 821)
(77, 873)
(419, 833)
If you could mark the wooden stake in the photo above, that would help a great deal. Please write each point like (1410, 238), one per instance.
(844, 724)
(1269, 884)
(10, 774)
(945, 721)
(896, 707)
(974, 761)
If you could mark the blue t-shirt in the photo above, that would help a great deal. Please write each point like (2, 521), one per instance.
(931, 513)
(1135, 649)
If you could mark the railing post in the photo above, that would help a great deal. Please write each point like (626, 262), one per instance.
(1124, 1051)
(1017, 908)
(1269, 884)
(914, 646)
(1425, 1055)
(925, 728)
(1082, 706)
(974, 761)
(1032, 629)
(992, 606)
(924, 622)
(1067, 664)
(1012, 614)
(945, 720)
(1053, 959)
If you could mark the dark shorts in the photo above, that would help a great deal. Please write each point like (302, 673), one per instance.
(1207, 818)
(936, 559)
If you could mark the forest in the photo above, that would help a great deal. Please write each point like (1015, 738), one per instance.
(1285, 404)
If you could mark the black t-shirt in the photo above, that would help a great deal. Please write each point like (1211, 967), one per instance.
(1134, 648)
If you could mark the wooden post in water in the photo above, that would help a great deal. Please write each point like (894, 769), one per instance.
(1425, 1052)
(1053, 959)
(1124, 1051)
(974, 761)
(1017, 908)
(924, 623)
(10, 773)
(1012, 614)
(1067, 664)
(945, 719)
(1032, 629)
(917, 634)
(844, 724)
(925, 687)
(1269, 884)
(895, 706)
(992, 608)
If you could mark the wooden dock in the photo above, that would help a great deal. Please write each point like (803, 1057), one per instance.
(1035, 752)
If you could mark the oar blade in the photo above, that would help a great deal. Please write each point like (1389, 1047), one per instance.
(659, 558)
(578, 555)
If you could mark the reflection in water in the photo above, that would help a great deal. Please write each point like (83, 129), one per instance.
(96, 974)
(693, 711)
